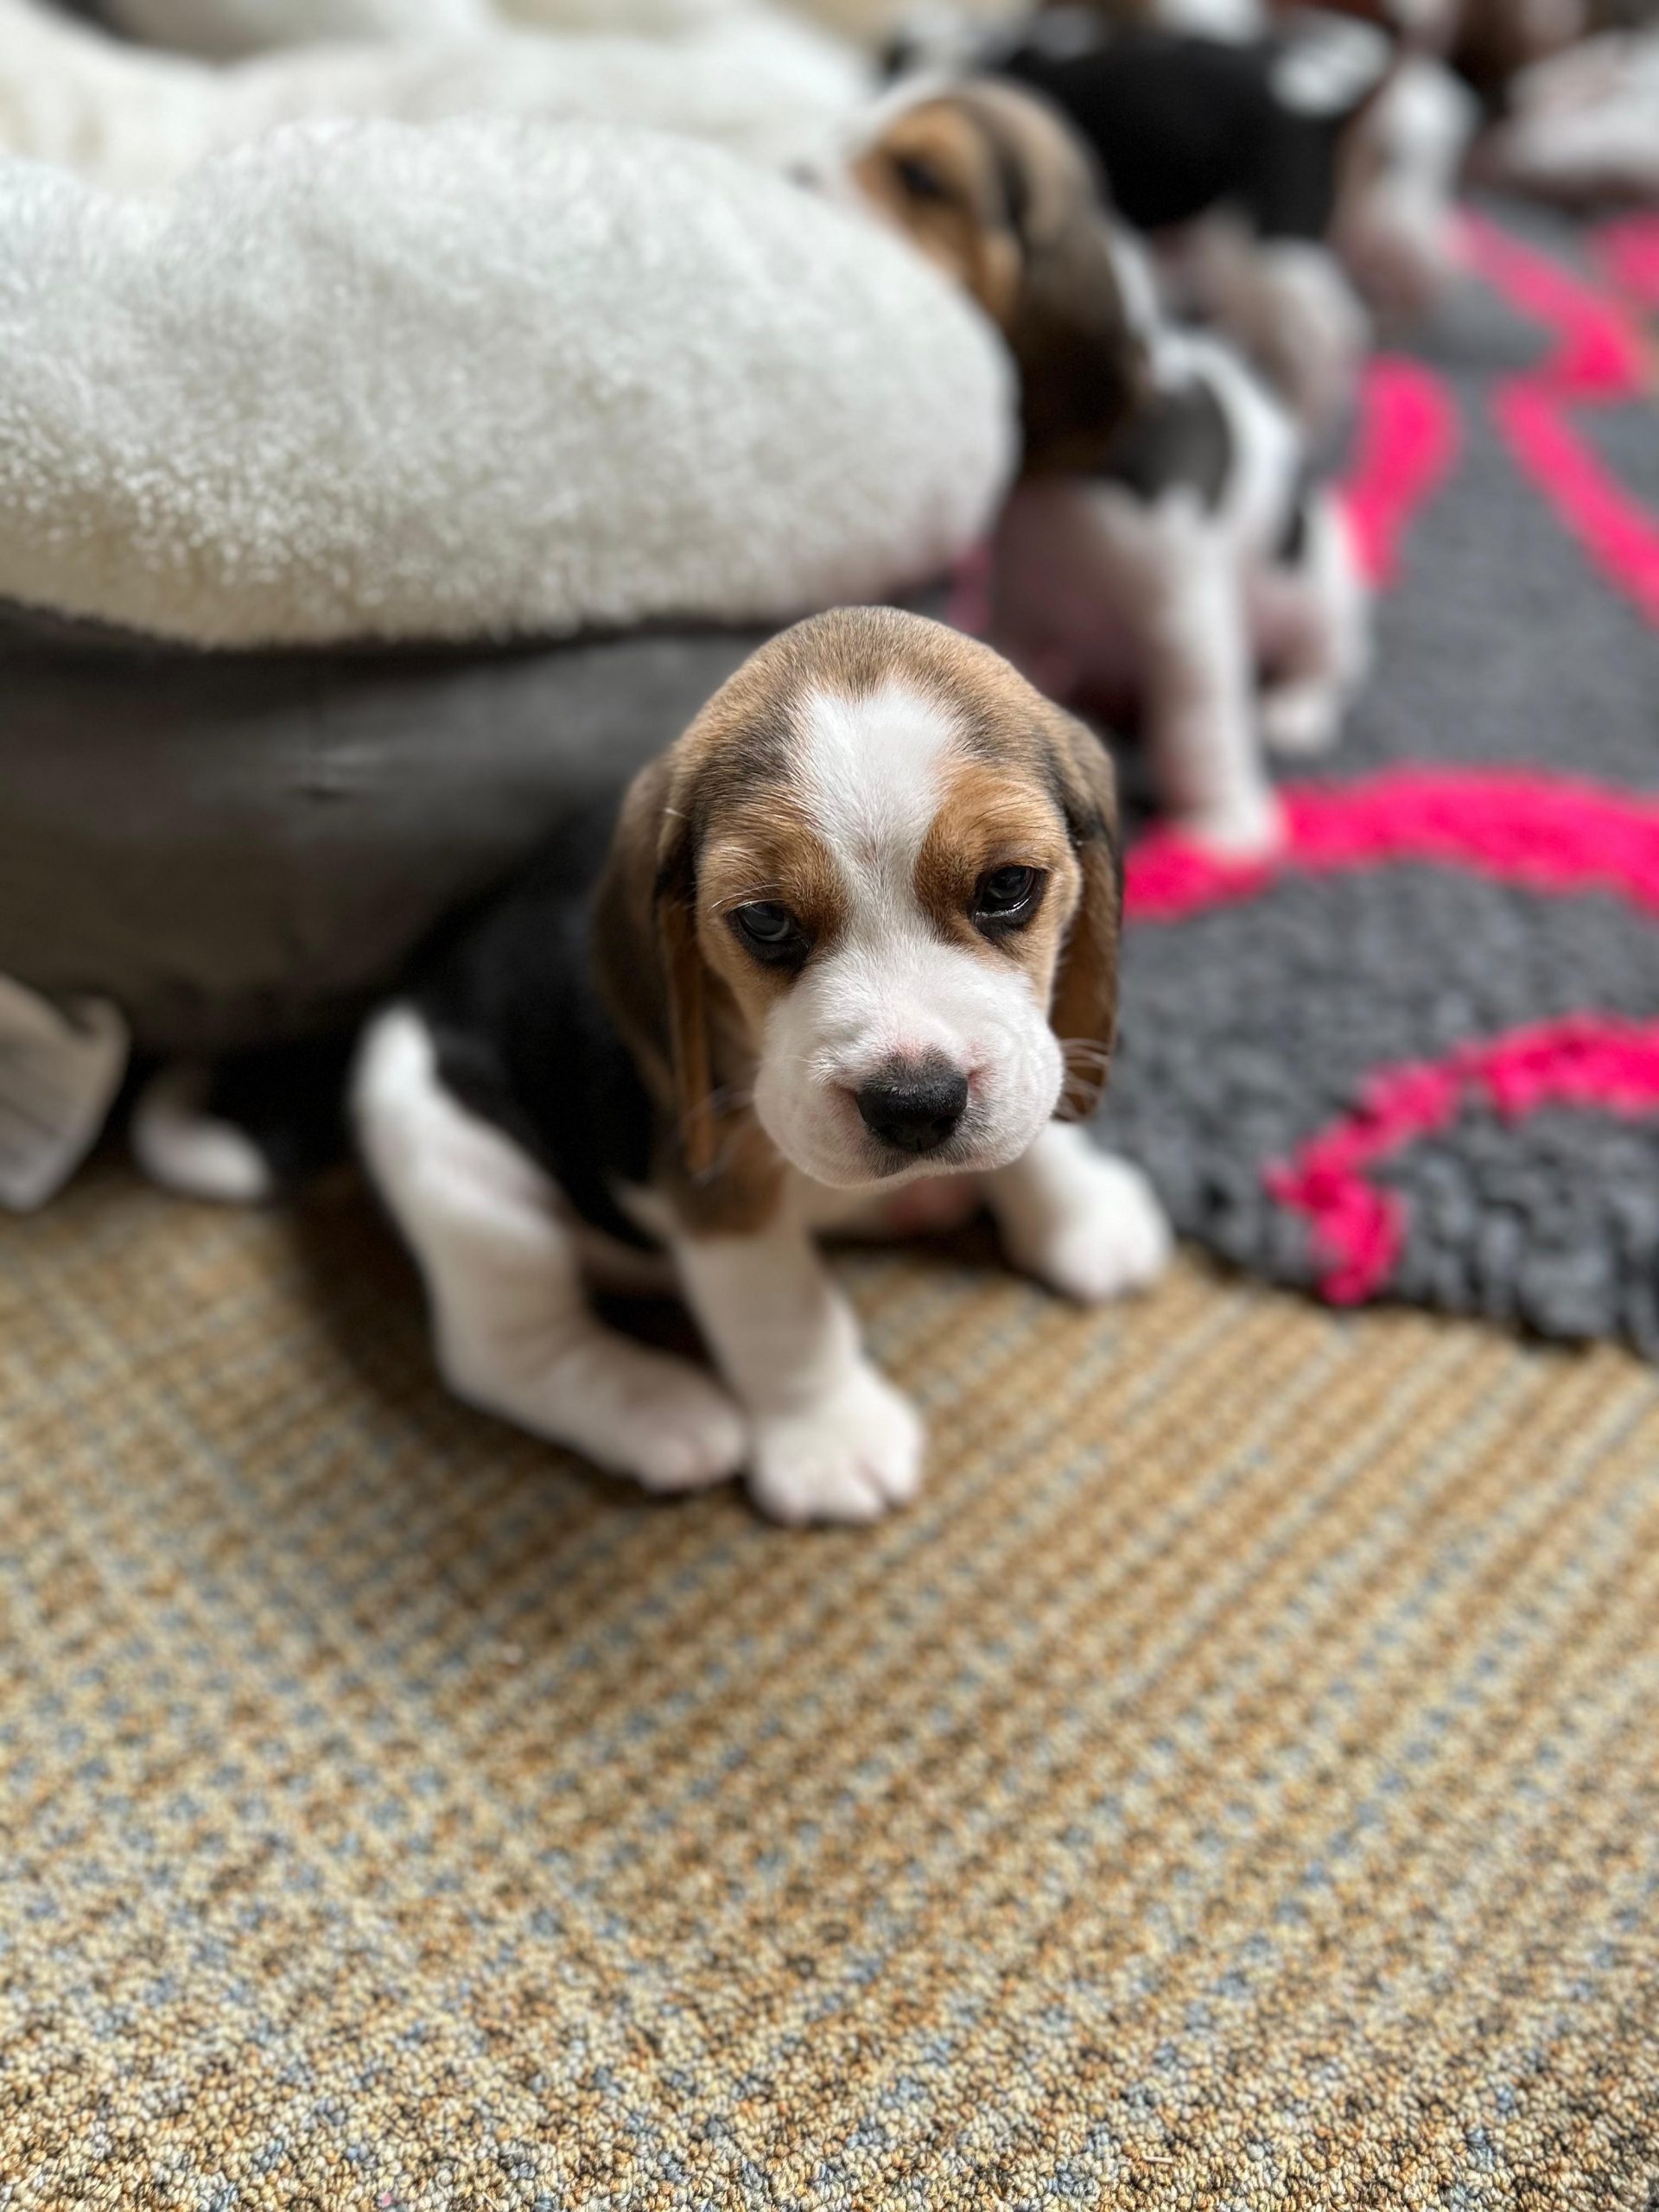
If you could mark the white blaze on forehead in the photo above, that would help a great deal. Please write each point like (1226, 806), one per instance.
(871, 774)
(871, 771)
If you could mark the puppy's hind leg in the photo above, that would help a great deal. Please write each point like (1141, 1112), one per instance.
(1312, 620)
(514, 1330)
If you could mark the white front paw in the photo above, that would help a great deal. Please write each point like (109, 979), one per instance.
(1301, 718)
(1250, 825)
(1111, 1238)
(848, 1457)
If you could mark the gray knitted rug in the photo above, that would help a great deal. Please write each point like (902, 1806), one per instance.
(1419, 1058)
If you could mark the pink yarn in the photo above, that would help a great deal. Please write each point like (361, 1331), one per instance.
(1585, 1059)
(1628, 250)
(1552, 834)
(1599, 358)
(1407, 444)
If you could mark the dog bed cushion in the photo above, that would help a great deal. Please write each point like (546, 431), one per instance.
(1585, 125)
(241, 847)
(476, 378)
(228, 27)
(135, 121)
(224, 27)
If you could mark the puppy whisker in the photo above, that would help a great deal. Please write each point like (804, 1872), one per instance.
(730, 1101)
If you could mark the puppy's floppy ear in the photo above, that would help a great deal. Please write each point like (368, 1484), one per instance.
(651, 967)
(1082, 365)
(1082, 1012)
(1082, 362)
(687, 979)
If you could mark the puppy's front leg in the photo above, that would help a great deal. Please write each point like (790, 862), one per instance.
(833, 1440)
(1200, 725)
(1079, 1219)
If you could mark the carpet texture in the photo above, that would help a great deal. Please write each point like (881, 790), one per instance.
(1421, 1060)
(1235, 1787)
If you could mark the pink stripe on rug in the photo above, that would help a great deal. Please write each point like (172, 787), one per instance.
(1599, 358)
(1585, 1059)
(1553, 834)
(1627, 250)
(1406, 444)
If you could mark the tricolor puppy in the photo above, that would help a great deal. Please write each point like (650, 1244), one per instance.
(1199, 577)
(1168, 549)
(993, 187)
(856, 928)
(1281, 166)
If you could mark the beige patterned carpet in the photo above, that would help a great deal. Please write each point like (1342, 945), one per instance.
(1237, 1786)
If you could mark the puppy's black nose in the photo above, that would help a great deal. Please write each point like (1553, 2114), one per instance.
(914, 1107)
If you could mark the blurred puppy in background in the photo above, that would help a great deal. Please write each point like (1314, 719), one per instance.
(1167, 547)
(992, 187)
(858, 927)
(1296, 174)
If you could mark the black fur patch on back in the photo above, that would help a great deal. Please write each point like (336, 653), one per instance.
(1182, 123)
(524, 1038)
(1292, 548)
(1179, 437)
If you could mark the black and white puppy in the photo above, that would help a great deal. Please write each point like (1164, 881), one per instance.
(1169, 547)
(1200, 575)
(1294, 177)
(856, 928)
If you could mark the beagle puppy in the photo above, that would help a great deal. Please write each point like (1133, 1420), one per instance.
(1295, 174)
(990, 184)
(1201, 576)
(857, 928)
(1167, 547)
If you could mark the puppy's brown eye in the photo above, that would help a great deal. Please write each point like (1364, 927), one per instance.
(919, 179)
(1007, 898)
(771, 933)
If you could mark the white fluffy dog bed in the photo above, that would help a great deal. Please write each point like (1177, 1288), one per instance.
(224, 27)
(480, 378)
(230, 27)
(1585, 125)
(476, 380)
(134, 120)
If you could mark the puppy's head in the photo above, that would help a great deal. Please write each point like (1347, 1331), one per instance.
(876, 886)
(1395, 222)
(994, 186)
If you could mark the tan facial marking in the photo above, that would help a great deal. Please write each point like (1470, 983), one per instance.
(726, 817)
(933, 174)
(765, 848)
(996, 187)
(990, 819)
